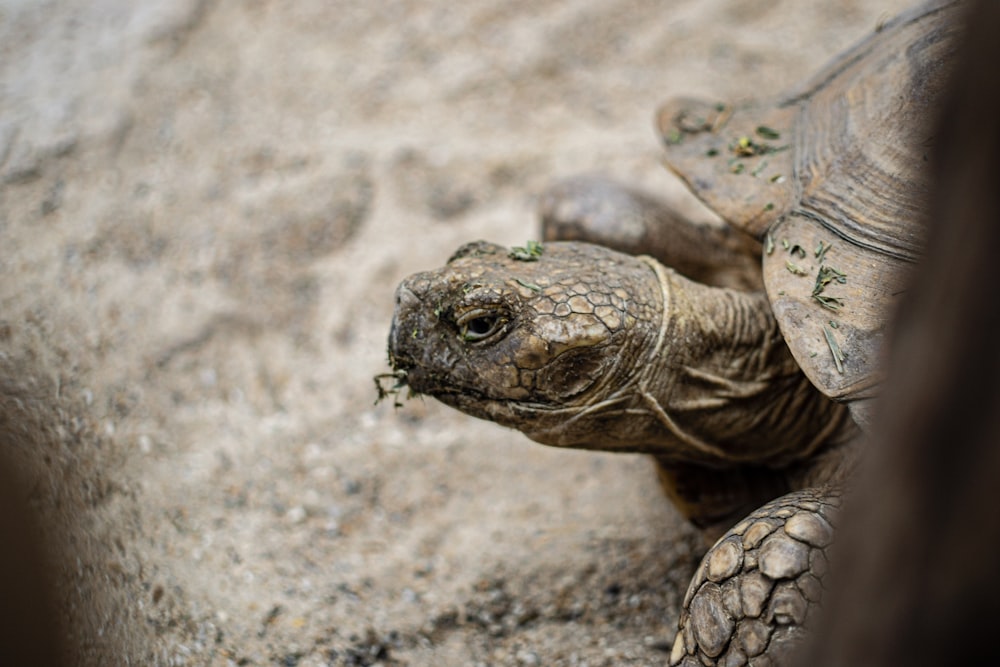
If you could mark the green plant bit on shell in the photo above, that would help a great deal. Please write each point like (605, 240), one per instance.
(821, 250)
(759, 168)
(830, 302)
(826, 275)
(744, 146)
(795, 268)
(523, 283)
(531, 251)
(838, 355)
(765, 132)
(769, 243)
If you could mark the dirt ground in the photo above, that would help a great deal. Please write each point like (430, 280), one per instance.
(205, 206)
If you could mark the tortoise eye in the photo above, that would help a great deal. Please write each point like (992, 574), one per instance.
(479, 324)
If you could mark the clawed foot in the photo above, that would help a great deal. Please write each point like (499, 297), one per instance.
(757, 589)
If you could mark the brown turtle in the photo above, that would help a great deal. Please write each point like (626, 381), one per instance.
(743, 396)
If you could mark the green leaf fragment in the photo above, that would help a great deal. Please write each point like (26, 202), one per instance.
(523, 283)
(826, 275)
(744, 146)
(766, 132)
(400, 383)
(838, 355)
(829, 302)
(531, 251)
(795, 268)
(769, 243)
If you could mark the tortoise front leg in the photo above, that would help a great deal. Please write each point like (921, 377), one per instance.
(760, 585)
(598, 210)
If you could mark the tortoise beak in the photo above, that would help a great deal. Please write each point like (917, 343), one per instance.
(409, 349)
(404, 318)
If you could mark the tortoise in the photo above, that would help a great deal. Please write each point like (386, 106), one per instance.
(745, 359)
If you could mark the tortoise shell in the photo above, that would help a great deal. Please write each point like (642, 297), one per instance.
(831, 178)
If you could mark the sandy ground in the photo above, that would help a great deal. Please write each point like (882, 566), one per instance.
(204, 209)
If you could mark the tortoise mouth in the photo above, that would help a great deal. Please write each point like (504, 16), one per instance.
(407, 374)
(470, 399)
(540, 421)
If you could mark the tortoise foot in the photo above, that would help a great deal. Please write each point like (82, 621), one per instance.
(596, 209)
(757, 588)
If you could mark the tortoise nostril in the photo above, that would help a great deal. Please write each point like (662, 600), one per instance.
(406, 299)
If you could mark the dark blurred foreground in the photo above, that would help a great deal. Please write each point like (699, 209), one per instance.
(918, 576)
(29, 631)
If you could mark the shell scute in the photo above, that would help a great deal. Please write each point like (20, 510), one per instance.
(852, 178)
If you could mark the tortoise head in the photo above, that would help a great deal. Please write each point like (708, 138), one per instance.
(526, 337)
